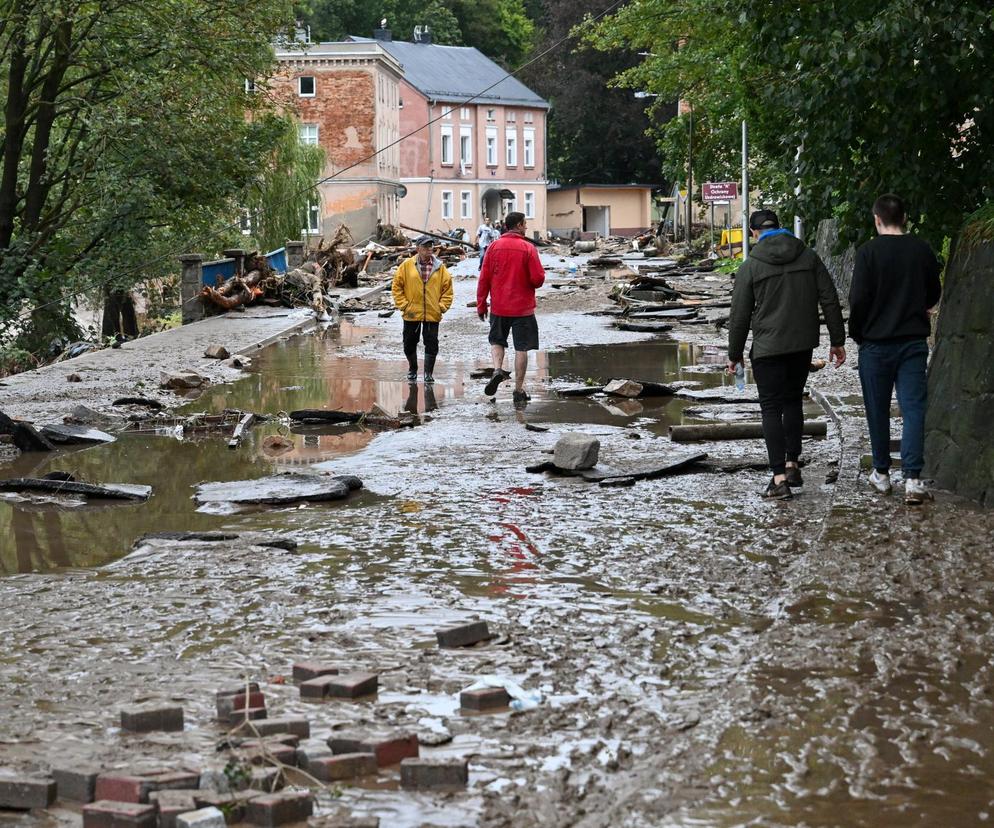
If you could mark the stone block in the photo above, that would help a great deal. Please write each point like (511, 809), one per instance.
(623, 388)
(434, 773)
(343, 766)
(284, 724)
(308, 751)
(106, 814)
(307, 670)
(389, 749)
(203, 818)
(463, 635)
(173, 803)
(487, 698)
(271, 810)
(350, 686)
(122, 786)
(23, 793)
(76, 783)
(145, 718)
(575, 451)
(216, 352)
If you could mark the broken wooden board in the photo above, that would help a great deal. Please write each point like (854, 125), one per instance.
(65, 434)
(278, 489)
(735, 431)
(635, 471)
(643, 327)
(321, 415)
(105, 491)
(245, 422)
(579, 390)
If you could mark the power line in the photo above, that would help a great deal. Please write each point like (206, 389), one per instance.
(215, 235)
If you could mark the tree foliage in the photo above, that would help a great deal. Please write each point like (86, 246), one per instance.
(844, 100)
(125, 140)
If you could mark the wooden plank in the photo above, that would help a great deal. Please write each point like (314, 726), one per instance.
(245, 422)
(735, 431)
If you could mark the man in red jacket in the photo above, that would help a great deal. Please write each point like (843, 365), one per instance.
(510, 276)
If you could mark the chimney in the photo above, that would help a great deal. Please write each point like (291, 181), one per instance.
(382, 33)
(422, 34)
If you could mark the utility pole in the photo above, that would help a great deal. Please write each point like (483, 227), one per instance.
(690, 173)
(745, 190)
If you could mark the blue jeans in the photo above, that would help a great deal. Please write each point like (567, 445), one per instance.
(882, 366)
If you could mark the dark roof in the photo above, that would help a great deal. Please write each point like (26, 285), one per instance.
(457, 73)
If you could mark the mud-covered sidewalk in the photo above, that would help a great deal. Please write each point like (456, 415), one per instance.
(704, 658)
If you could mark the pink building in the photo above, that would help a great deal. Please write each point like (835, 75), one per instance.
(483, 152)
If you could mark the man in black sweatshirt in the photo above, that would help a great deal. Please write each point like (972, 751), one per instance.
(895, 282)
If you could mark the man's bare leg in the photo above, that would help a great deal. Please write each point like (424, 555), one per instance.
(497, 352)
(520, 368)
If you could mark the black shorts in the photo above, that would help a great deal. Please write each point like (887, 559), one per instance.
(523, 328)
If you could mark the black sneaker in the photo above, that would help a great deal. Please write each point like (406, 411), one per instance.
(429, 379)
(520, 397)
(794, 476)
(777, 491)
(412, 376)
(500, 375)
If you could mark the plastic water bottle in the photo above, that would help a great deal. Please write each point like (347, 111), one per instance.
(740, 376)
(573, 269)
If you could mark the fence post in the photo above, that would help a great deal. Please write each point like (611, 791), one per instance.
(238, 255)
(191, 282)
(294, 254)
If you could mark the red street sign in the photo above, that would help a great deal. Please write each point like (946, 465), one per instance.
(719, 191)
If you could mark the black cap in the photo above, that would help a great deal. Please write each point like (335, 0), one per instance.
(424, 241)
(764, 220)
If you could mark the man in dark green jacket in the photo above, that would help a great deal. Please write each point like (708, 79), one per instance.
(778, 290)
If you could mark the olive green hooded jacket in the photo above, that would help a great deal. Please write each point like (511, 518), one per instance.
(778, 290)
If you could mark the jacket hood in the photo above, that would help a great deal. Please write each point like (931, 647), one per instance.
(436, 263)
(779, 249)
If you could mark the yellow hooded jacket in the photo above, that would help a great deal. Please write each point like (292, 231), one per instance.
(420, 301)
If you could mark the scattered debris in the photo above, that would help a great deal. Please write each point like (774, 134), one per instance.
(278, 489)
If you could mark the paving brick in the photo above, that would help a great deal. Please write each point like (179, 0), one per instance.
(144, 718)
(135, 787)
(175, 780)
(232, 805)
(226, 698)
(278, 809)
(76, 783)
(171, 804)
(487, 698)
(203, 818)
(307, 670)
(389, 749)
(236, 688)
(350, 686)
(25, 792)
(308, 751)
(260, 753)
(251, 713)
(434, 773)
(463, 635)
(105, 814)
(268, 727)
(344, 766)
(251, 700)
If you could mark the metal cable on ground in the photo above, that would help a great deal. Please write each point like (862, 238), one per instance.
(215, 235)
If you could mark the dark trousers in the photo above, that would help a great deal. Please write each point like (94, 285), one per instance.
(882, 367)
(415, 331)
(780, 380)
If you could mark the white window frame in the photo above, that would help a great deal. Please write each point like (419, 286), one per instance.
(466, 146)
(528, 148)
(511, 204)
(249, 86)
(446, 112)
(492, 157)
(446, 152)
(464, 113)
(446, 204)
(510, 116)
(466, 204)
(300, 86)
(529, 204)
(304, 133)
(510, 147)
(313, 216)
(529, 117)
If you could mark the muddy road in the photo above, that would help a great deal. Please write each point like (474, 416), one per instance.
(704, 658)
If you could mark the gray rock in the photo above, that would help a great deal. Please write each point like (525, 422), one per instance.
(575, 451)
(181, 380)
(216, 352)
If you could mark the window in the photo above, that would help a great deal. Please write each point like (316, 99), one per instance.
(466, 146)
(529, 205)
(528, 147)
(312, 219)
(446, 145)
(491, 146)
(529, 117)
(249, 86)
(466, 204)
(306, 86)
(446, 204)
(464, 113)
(510, 116)
(510, 204)
(308, 133)
(446, 112)
(511, 136)
(492, 115)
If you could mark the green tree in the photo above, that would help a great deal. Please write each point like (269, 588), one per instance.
(125, 140)
(844, 100)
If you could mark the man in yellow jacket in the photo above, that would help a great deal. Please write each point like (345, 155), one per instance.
(422, 290)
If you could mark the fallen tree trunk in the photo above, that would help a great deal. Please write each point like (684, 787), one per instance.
(735, 431)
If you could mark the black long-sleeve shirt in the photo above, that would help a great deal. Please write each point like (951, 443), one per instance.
(895, 281)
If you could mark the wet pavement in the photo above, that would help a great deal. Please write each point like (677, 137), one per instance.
(705, 659)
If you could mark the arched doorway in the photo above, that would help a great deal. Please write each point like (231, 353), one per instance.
(492, 204)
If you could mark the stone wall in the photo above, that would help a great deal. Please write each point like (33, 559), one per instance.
(840, 265)
(959, 451)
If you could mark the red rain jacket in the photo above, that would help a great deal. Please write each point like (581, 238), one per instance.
(510, 276)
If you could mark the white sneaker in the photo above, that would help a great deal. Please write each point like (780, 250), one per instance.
(915, 492)
(880, 482)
